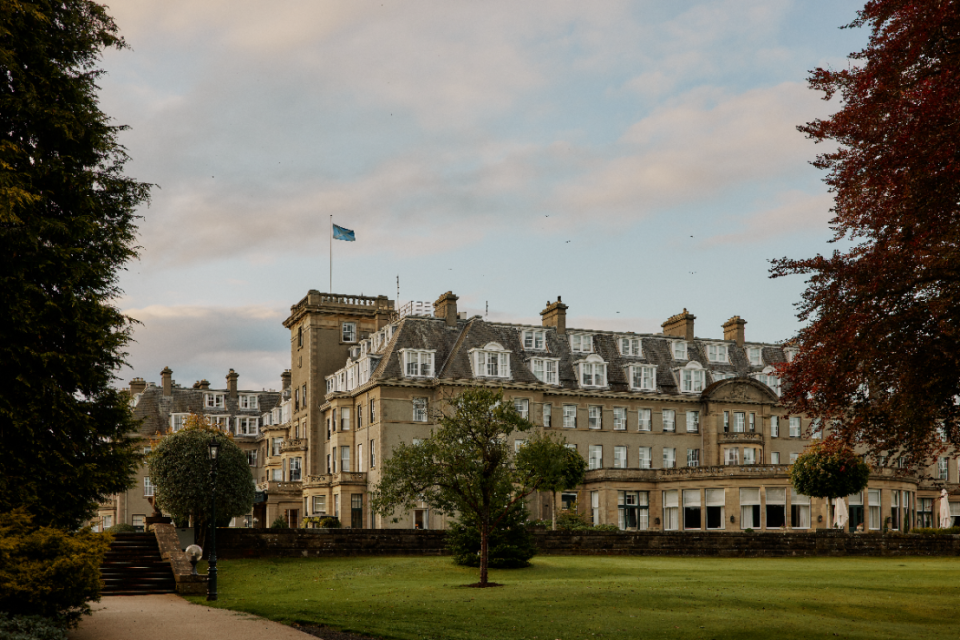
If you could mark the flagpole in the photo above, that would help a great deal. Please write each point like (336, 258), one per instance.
(331, 254)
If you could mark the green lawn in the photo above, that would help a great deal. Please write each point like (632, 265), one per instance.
(606, 597)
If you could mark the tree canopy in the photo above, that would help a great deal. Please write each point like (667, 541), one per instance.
(558, 467)
(829, 469)
(67, 216)
(180, 470)
(467, 466)
(880, 348)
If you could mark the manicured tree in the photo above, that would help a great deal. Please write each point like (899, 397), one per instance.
(180, 469)
(66, 227)
(880, 349)
(511, 544)
(558, 466)
(466, 466)
(829, 469)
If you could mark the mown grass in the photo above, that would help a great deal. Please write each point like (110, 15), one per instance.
(606, 597)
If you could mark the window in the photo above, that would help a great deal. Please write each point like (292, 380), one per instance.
(568, 501)
(691, 508)
(679, 350)
(643, 377)
(547, 415)
(278, 474)
(373, 455)
(595, 417)
(522, 405)
(360, 457)
(669, 420)
(794, 427)
(693, 457)
(774, 457)
(739, 422)
(645, 457)
(793, 457)
(570, 416)
(722, 375)
(220, 422)
(178, 421)
(299, 336)
(692, 378)
(774, 427)
(769, 378)
(319, 505)
(943, 469)
(545, 369)
(669, 457)
(252, 458)
(895, 509)
(749, 455)
(753, 354)
(534, 339)
(716, 502)
(633, 510)
(138, 523)
(373, 411)
(644, 419)
(776, 507)
(275, 445)
(419, 409)
(619, 457)
(593, 372)
(345, 419)
(790, 353)
(595, 507)
(731, 456)
(855, 511)
(693, 422)
(581, 342)
(630, 347)
(148, 487)
(873, 508)
(295, 469)
(619, 419)
(107, 522)
(247, 426)
(344, 459)
(213, 400)
(670, 510)
(752, 422)
(359, 416)
(595, 460)
(349, 331)
(491, 362)
(800, 510)
(726, 422)
(417, 364)
(518, 444)
(750, 508)
(717, 353)
(249, 401)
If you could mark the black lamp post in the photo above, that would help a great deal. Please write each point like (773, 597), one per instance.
(214, 449)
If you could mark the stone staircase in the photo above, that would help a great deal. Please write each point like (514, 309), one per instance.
(133, 566)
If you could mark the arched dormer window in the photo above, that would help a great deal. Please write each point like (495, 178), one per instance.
(490, 361)
(693, 378)
(769, 378)
(592, 372)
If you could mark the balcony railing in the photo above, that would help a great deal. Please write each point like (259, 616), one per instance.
(294, 444)
(332, 479)
(272, 486)
(746, 437)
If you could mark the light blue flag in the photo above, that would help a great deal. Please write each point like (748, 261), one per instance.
(340, 233)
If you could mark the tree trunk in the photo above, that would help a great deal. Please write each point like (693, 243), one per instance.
(484, 550)
(553, 510)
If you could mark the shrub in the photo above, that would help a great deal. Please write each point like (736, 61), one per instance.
(933, 531)
(123, 527)
(330, 522)
(510, 547)
(30, 628)
(606, 527)
(48, 572)
(279, 523)
(571, 520)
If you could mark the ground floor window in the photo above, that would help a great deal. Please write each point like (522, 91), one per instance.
(873, 507)
(716, 502)
(634, 510)
(421, 518)
(750, 508)
(568, 501)
(138, 523)
(595, 507)
(925, 512)
(776, 507)
(894, 509)
(955, 514)
(799, 510)
(356, 511)
(855, 511)
(319, 505)
(691, 508)
(107, 522)
(671, 508)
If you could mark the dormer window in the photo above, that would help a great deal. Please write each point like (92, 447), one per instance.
(492, 361)
(213, 400)
(692, 378)
(354, 352)
(545, 369)
(249, 401)
(581, 342)
(593, 372)
(330, 383)
(534, 339)
(630, 347)
(643, 377)
(722, 375)
(769, 378)
(679, 350)
(790, 353)
(417, 363)
(717, 353)
(755, 355)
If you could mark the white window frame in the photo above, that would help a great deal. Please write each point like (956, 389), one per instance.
(581, 342)
(592, 372)
(755, 356)
(177, 421)
(213, 400)
(248, 426)
(669, 457)
(643, 377)
(672, 414)
(747, 501)
(693, 457)
(645, 458)
(644, 419)
(774, 426)
(619, 457)
(796, 427)
(249, 401)
(418, 363)
(718, 352)
(692, 378)
(774, 457)
(671, 510)
(569, 416)
(693, 422)
(679, 350)
(546, 370)
(768, 377)
(522, 405)
(594, 417)
(348, 332)
(419, 409)
(630, 346)
(595, 457)
(619, 418)
(534, 339)
(492, 361)
(149, 488)
(547, 415)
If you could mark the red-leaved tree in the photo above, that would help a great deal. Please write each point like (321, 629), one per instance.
(880, 349)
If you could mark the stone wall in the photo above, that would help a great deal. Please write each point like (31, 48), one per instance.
(283, 543)
(188, 583)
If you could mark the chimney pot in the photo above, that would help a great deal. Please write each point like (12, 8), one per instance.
(734, 329)
(446, 307)
(137, 385)
(285, 380)
(232, 382)
(680, 325)
(555, 315)
(166, 381)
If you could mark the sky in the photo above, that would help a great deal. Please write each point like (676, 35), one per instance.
(635, 158)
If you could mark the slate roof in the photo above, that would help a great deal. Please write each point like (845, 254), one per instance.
(154, 409)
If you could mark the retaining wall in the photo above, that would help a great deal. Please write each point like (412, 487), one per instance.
(279, 543)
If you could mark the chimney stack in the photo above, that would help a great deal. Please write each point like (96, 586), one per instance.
(137, 385)
(446, 307)
(285, 380)
(232, 383)
(555, 315)
(733, 329)
(166, 381)
(680, 325)
(203, 384)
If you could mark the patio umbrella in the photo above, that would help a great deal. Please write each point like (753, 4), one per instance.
(945, 518)
(841, 517)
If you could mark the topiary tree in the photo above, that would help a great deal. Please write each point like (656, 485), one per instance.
(829, 469)
(511, 543)
(180, 468)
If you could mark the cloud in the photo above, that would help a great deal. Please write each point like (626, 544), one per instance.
(797, 212)
(206, 342)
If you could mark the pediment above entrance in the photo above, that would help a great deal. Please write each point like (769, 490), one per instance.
(739, 390)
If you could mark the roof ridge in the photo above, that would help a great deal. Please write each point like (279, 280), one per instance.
(457, 345)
